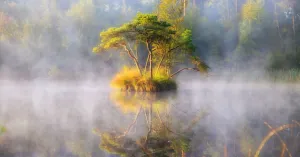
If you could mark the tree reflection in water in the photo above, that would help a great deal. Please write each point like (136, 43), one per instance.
(159, 136)
(157, 129)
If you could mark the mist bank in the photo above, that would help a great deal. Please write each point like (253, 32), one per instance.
(40, 39)
(58, 119)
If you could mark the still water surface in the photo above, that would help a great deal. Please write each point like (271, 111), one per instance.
(200, 119)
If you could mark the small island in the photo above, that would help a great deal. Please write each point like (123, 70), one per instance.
(166, 44)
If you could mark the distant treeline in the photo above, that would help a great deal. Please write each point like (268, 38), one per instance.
(39, 37)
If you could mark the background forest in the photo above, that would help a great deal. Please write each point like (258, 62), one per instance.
(55, 37)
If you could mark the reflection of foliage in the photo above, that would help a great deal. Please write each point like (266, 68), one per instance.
(112, 144)
(180, 144)
(160, 139)
(155, 145)
(131, 102)
(2, 130)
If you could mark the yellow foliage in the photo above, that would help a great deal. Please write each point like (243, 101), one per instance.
(8, 27)
(171, 11)
(130, 79)
(251, 10)
(82, 10)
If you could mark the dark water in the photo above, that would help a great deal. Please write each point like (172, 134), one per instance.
(200, 119)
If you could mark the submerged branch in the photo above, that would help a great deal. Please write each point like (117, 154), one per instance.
(296, 122)
(282, 142)
(271, 133)
(283, 150)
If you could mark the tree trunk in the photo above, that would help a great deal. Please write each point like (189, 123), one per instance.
(134, 59)
(184, 8)
(182, 153)
(160, 62)
(138, 66)
(184, 4)
(146, 65)
(276, 20)
(293, 20)
(150, 58)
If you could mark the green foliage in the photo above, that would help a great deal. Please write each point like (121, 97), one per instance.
(200, 65)
(143, 28)
(187, 42)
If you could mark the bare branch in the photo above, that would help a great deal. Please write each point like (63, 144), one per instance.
(134, 58)
(271, 133)
(281, 141)
(195, 69)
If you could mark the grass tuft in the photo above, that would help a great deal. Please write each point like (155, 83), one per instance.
(129, 79)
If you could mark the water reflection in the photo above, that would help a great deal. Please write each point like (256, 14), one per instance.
(60, 121)
(156, 135)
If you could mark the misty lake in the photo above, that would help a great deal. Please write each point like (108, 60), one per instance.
(202, 119)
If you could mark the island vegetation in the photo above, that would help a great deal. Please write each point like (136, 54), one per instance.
(163, 42)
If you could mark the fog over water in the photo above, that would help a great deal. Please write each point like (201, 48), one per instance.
(57, 119)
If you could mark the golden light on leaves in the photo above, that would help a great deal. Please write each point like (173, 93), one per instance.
(251, 10)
